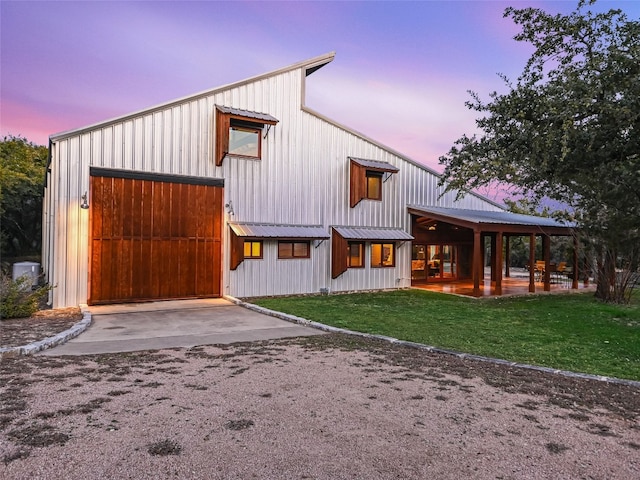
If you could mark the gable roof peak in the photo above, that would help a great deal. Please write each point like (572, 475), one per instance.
(310, 66)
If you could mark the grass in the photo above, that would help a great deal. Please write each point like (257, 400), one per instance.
(569, 332)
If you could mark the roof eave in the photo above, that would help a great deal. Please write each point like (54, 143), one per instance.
(494, 227)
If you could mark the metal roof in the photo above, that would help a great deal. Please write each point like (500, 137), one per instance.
(246, 113)
(267, 230)
(488, 217)
(372, 233)
(377, 164)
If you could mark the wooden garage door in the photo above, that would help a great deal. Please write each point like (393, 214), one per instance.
(154, 237)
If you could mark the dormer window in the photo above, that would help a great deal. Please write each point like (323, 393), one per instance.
(367, 178)
(239, 133)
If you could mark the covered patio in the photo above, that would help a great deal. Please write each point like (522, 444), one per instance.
(449, 252)
(514, 285)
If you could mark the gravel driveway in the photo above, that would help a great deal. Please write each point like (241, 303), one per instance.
(328, 407)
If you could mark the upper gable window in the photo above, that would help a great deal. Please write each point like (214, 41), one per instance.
(240, 133)
(374, 185)
(245, 139)
(367, 178)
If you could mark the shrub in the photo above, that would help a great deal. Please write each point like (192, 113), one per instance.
(18, 299)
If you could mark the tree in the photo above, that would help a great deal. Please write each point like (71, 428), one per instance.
(569, 130)
(22, 169)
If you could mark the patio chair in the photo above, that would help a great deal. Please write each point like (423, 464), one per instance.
(539, 269)
(562, 271)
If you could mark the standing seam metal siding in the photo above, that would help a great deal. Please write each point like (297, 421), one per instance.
(303, 178)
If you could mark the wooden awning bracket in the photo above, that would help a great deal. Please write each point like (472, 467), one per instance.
(268, 128)
(318, 243)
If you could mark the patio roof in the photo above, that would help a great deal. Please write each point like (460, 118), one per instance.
(493, 221)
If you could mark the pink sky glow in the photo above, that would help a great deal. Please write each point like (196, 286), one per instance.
(401, 73)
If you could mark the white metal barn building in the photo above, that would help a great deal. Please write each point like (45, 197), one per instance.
(244, 191)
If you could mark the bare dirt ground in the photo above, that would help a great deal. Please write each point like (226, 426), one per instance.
(16, 332)
(327, 407)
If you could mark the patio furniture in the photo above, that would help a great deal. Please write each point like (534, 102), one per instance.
(539, 270)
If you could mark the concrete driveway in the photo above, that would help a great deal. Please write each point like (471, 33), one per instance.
(183, 323)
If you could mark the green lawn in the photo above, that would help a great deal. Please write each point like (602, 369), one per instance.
(569, 332)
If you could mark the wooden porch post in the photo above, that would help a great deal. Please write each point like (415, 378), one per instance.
(478, 262)
(532, 263)
(576, 270)
(507, 255)
(494, 257)
(498, 263)
(546, 248)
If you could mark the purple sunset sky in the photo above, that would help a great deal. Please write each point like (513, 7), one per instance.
(401, 73)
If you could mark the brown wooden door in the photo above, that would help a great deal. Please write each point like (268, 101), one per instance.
(154, 239)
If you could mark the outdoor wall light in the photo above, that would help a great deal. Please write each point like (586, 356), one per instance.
(85, 204)
(229, 208)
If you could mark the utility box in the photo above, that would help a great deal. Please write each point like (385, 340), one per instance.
(29, 269)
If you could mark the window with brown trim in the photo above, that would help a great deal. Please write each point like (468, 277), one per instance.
(289, 249)
(245, 139)
(355, 254)
(373, 185)
(366, 179)
(239, 133)
(383, 255)
(252, 249)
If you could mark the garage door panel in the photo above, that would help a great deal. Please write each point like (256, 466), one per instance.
(117, 208)
(124, 285)
(154, 239)
(145, 207)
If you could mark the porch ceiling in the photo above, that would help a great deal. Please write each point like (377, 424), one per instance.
(493, 221)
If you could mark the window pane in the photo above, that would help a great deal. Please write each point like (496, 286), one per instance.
(255, 249)
(355, 254)
(374, 186)
(244, 141)
(301, 249)
(376, 254)
(247, 249)
(387, 255)
(284, 250)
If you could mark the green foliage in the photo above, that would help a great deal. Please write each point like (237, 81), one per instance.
(568, 129)
(22, 171)
(561, 247)
(570, 332)
(17, 299)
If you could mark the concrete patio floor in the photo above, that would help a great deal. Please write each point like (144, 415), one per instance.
(516, 284)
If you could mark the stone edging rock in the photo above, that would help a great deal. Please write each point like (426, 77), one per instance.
(50, 342)
(428, 348)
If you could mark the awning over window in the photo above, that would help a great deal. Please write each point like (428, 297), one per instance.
(266, 230)
(259, 117)
(376, 165)
(373, 233)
